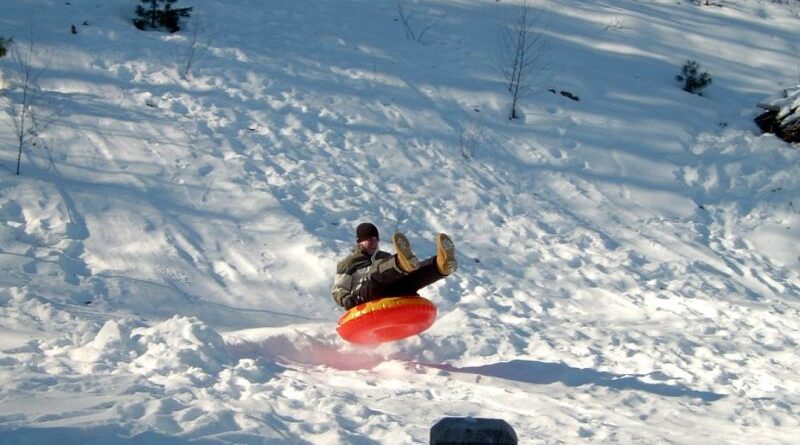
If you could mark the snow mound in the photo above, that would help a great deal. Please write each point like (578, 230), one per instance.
(787, 102)
(176, 352)
(111, 345)
(180, 351)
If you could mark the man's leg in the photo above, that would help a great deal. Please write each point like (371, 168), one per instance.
(381, 280)
(431, 270)
(410, 284)
(391, 277)
(384, 276)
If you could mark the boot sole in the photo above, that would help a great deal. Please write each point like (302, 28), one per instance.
(447, 250)
(406, 258)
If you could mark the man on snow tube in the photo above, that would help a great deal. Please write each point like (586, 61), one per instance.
(369, 273)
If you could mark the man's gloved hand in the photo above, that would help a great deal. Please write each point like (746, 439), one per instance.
(352, 301)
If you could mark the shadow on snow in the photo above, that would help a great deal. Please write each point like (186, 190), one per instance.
(90, 436)
(543, 373)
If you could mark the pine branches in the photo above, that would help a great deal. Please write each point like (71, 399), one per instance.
(159, 14)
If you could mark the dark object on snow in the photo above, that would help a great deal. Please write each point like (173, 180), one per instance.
(150, 16)
(472, 431)
(4, 44)
(693, 80)
(566, 94)
(569, 95)
(769, 122)
(782, 115)
(73, 29)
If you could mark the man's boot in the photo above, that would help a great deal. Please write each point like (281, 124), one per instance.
(445, 255)
(406, 260)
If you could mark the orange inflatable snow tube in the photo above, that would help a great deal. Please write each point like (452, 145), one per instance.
(387, 319)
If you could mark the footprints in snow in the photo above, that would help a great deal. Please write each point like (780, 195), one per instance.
(45, 240)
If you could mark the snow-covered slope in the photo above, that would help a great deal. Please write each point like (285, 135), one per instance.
(629, 266)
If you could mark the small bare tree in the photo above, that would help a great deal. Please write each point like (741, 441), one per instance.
(194, 52)
(23, 91)
(521, 47)
(417, 32)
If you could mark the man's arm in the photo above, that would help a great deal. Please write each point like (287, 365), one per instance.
(342, 286)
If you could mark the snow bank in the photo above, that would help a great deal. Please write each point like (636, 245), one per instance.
(786, 103)
(178, 352)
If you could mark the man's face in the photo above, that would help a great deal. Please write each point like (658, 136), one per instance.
(370, 245)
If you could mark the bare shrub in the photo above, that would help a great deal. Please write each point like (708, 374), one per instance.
(520, 51)
(416, 25)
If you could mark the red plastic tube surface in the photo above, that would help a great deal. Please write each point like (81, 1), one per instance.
(387, 319)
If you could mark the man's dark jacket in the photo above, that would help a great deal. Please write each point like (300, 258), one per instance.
(353, 272)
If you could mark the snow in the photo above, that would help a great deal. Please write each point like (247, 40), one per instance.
(786, 104)
(628, 262)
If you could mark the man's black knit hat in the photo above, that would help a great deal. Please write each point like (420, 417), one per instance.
(366, 231)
